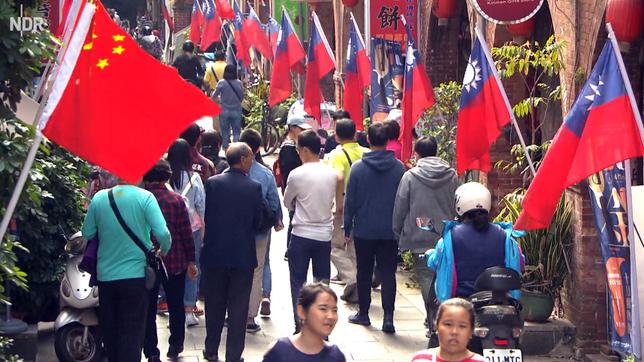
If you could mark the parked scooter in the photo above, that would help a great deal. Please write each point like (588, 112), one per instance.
(77, 336)
(498, 316)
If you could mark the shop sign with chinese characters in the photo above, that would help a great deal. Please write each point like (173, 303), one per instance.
(386, 22)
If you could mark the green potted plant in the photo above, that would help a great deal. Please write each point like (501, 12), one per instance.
(546, 257)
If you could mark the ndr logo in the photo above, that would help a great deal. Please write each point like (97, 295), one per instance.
(27, 23)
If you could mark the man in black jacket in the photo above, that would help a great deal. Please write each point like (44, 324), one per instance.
(228, 258)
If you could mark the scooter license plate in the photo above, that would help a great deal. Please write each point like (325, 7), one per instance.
(502, 355)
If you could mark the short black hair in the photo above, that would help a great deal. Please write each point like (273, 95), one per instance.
(230, 72)
(377, 134)
(219, 55)
(252, 138)
(426, 146)
(188, 46)
(160, 172)
(191, 134)
(211, 142)
(345, 129)
(236, 151)
(393, 129)
(309, 293)
(310, 140)
(341, 113)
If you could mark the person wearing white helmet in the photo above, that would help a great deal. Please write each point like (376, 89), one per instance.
(472, 244)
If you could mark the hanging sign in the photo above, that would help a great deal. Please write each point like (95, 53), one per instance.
(386, 22)
(507, 11)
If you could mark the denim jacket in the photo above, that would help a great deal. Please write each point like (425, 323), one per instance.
(441, 260)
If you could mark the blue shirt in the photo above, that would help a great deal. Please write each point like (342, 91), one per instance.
(265, 178)
(285, 351)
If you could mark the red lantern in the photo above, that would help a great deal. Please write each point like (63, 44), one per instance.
(350, 3)
(625, 16)
(521, 31)
(444, 9)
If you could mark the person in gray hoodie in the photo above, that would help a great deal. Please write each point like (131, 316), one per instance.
(368, 209)
(425, 198)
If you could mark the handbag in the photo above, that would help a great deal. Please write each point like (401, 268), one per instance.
(89, 261)
(242, 101)
(155, 268)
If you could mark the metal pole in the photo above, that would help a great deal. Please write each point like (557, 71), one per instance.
(635, 312)
(513, 119)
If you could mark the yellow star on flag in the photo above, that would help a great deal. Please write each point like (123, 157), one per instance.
(102, 63)
(94, 36)
(118, 50)
(88, 46)
(118, 37)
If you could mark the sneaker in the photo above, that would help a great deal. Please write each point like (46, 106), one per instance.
(361, 319)
(252, 327)
(286, 256)
(154, 359)
(265, 309)
(162, 307)
(197, 311)
(388, 325)
(191, 320)
(210, 356)
(336, 280)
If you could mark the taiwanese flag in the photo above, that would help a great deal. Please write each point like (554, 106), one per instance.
(224, 9)
(196, 22)
(320, 63)
(358, 74)
(167, 14)
(482, 113)
(256, 36)
(93, 115)
(212, 25)
(288, 56)
(273, 32)
(600, 130)
(418, 94)
(241, 43)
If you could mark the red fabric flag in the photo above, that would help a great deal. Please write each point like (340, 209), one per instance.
(418, 95)
(600, 130)
(256, 36)
(288, 56)
(320, 63)
(224, 9)
(241, 43)
(212, 25)
(482, 113)
(58, 13)
(196, 22)
(358, 75)
(113, 104)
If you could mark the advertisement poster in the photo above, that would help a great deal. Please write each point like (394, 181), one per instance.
(386, 20)
(608, 197)
(386, 77)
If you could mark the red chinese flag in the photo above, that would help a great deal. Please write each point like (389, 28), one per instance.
(600, 130)
(113, 104)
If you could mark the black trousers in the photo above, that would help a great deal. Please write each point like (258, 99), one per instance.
(122, 313)
(226, 290)
(383, 253)
(301, 252)
(174, 288)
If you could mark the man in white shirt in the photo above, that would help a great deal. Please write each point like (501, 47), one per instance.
(310, 192)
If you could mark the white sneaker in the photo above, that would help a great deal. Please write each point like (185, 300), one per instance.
(191, 320)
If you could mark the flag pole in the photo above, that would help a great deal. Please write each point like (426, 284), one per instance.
(635, 313)
(31, 156)
(513, 119)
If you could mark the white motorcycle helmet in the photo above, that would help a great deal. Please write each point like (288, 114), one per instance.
(472, 196)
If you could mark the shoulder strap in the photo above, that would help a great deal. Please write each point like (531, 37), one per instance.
(234, 90)
(188, 186)
(214, 73)
(127, 229)
(347, 154)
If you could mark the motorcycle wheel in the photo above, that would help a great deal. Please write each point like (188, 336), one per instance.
(69, 344)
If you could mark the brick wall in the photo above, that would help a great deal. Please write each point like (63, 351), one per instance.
(182, 12)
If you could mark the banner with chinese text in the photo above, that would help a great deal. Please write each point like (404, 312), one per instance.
(608, 197)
